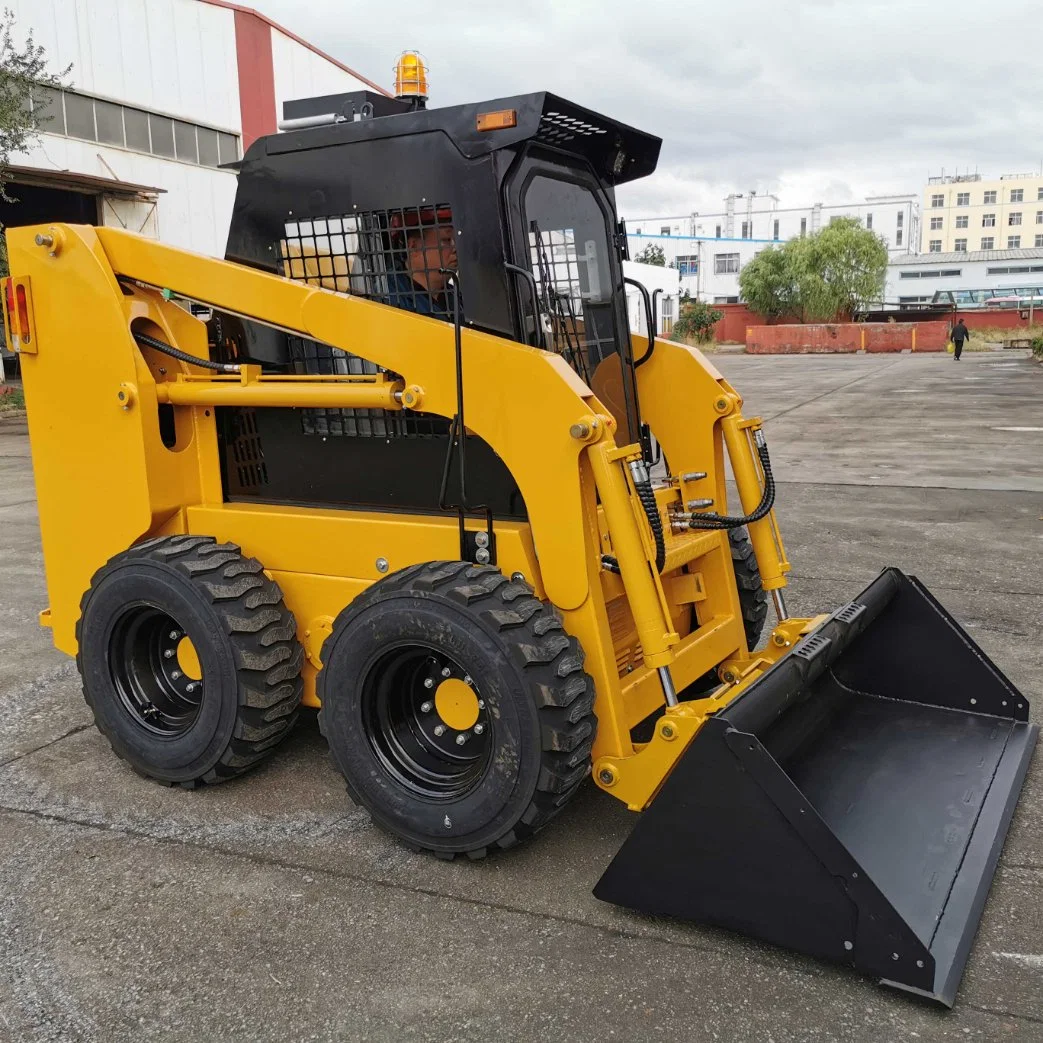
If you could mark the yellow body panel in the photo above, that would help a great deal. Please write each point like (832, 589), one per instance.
(105, 480)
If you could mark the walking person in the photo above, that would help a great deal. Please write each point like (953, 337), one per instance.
(959, 334)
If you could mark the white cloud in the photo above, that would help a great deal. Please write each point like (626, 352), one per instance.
(816, 100)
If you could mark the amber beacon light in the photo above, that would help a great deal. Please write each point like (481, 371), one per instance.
(411, 77)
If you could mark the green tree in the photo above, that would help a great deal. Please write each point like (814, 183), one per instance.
(768, 284)
(23, 69)
(829, 275)
(652, 254)
(695, 320)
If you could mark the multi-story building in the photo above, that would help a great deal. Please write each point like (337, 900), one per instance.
(709, 250)
(966, 213)
(161, 95)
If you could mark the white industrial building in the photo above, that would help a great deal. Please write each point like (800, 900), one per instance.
(160, 94)
(965, 278)
(709, 250)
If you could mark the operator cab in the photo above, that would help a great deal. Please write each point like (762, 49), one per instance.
(380, 198)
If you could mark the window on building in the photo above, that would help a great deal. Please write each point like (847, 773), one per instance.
(185, 141)
(1039, 240)
(746, 229)
(687, 265)
(990, 198)
(1017, 195)
(961, 221)
(960, 246)
(725, 264)
(988, 242)
(1039, 217)
(1039, 193)
(938, 200)
(665, 230)
(668, 312)
(775, 230)
(726, 300)
(869, 222)
(1013, 242)
(935, 246)
(109, 120)
(901, 219)
(988, 220)
(135, 123)
(49, 109)
(803, 226)
(1014, 217)
(209, 154)
(963, 199)
(79, 117)
(898, 237)
(936, 224)
(718, 231)
(228, 144)
(162, 130)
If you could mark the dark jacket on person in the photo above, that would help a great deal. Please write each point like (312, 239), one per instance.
(960, 333)
(404, 293)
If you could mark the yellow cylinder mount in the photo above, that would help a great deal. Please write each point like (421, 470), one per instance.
(653, 627)
(737, 432)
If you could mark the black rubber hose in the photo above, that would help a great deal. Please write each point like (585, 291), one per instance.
(177, 353)
(725, 521)
(646, 495)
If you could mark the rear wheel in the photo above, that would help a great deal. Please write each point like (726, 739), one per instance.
(189, 659)
(456, 707)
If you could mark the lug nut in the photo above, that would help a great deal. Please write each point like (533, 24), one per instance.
(467, 679)
(168, 654)
(429, 682)
(446, 671)
(174, 635)
(439, 730)
(479, 728)
(481, 704)
(461, 739)
(176, 675)
(191, 687)
(427, 707)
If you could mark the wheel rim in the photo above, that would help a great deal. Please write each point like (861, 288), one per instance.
(415, 709)
(156, 672)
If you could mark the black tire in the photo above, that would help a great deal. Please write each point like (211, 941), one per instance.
(533, 704)
(163, 720)
(753, 599)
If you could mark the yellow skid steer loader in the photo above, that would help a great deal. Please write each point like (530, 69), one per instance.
(399, 458)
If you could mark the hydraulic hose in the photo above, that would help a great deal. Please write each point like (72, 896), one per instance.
(725, 521)
(183, 356)
(645, 493)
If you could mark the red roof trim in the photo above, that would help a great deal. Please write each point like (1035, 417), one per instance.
(298, 39)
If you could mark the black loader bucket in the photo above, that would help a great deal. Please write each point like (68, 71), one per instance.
(852, 803)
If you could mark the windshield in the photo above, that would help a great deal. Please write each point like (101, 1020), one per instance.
(569, 254)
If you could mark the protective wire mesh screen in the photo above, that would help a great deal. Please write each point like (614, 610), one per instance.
(569, 255)
(397, 257)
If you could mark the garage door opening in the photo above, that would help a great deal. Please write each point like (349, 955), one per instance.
(37, 204)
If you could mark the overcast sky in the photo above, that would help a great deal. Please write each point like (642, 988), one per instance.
(817, 101)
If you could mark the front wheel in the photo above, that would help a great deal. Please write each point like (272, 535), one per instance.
(456, 707)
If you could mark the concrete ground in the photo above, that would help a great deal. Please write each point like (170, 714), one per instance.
(270, 909)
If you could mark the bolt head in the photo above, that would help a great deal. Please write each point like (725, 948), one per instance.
(191, 687)
(667, 731)
(607, 777)
(382, 565)
(461, 739)
(481, 539)
(176, 675)
(174, 635)
(429, 682)
(481, 556)
(168, 654)
(439, 730)
(481, 704)
(427, 707)
(518, 577)
(446, 671)
(479, 728)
